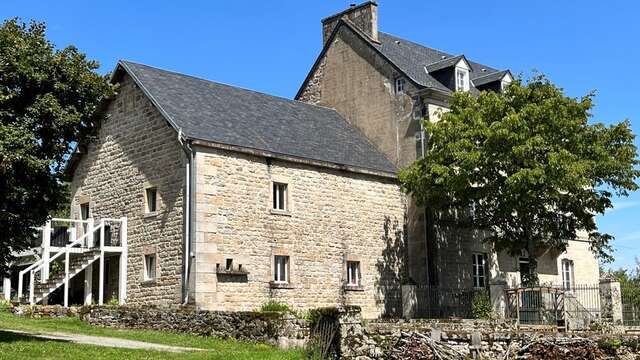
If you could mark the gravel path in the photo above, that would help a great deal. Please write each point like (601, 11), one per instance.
(102, 341)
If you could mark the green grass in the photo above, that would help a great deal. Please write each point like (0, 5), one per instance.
(25, 347)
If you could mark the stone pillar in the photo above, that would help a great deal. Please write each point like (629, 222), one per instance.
(498, 298)
(6, 288)
(409, 301)
(611, 300)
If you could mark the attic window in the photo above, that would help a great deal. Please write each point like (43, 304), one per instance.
(400, 82)
(462, 79)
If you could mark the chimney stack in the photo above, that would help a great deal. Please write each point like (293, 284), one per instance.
(363, 16)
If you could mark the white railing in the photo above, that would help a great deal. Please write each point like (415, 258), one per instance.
(87, 240)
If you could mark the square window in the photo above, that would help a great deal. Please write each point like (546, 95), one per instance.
(400, 82)
(150, 203)
(281, 269)
(150, 267)
(353, 273)
(479, 270)
(280, 196)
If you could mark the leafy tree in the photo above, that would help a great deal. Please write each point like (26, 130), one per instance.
(530, 163)
(48, 98)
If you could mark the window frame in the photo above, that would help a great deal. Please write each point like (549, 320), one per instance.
(276, 188)
(148, 210)
(568, 274)
(400, 85)
(354, 275)
(479, 281)
(277, 268)
(150, 266)
(465, 80)
(420, 137)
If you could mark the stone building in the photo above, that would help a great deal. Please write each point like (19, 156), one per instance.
(234, 198)
(385, 86)
(272, 199)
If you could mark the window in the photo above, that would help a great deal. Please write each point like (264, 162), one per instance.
(280, 196)
(462, 80)
(479, 270)
(504, 84)
(149, 267)
(420, 142)
(353, 273)
(400, 82)
(567, 274)
(151, 195)
(84, 215)
(280, 269)
(523, 267)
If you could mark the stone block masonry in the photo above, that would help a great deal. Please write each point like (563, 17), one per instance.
(331, 217)
(136, 148)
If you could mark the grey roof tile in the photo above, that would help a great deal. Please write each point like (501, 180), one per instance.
(210, 111)
(412, 59)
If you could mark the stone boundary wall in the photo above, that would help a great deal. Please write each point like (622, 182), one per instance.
(277, 328)
(490, 339)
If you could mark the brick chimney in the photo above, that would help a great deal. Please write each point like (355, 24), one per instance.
(364, 16)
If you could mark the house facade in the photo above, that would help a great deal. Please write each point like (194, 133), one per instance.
(385, 85)
(195, 192)
(272, 199)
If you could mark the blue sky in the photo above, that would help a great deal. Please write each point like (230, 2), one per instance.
(270, 45)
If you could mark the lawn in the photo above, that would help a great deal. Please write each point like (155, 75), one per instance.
(24, 347)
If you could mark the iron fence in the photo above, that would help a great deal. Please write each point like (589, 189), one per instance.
(444, 303)
(554, 306)
(630, 294)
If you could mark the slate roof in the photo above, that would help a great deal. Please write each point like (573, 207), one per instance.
(224, 114)
(412, 59)
(498, 75)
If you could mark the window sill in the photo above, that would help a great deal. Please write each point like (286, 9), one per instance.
(277, 285)
(148, 282)
(280, 212)
(150, 214)
(353, 288)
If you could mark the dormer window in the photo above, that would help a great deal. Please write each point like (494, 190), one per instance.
(400, 82)
(462, 79)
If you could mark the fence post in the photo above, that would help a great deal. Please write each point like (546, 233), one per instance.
(6, 288)
(611, 300)
(497, 292)
(409, 301)
(46, 244)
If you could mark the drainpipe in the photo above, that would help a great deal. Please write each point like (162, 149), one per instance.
(188, 214)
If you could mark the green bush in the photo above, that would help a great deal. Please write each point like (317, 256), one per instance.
(5, 305)
(482, 308)
(274, 306)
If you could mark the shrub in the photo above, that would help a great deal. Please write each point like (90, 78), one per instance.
(482, 308)
(274, 306)
(5, 305)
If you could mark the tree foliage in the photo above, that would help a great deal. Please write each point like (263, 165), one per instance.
(530, 163)
(48, 97)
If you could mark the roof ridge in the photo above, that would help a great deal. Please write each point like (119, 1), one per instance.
(413, 42)
(228, 85)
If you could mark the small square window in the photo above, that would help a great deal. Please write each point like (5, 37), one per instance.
(150, 203)
(280, 196)
(353, 273)
(150, 267)
(281, 269)
(400, 82)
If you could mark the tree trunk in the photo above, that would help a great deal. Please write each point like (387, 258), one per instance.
(531, 279)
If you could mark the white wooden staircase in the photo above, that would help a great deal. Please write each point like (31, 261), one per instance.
(75, 256)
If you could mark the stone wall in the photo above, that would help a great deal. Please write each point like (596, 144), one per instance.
(136, 148)
(276, 328)
(333, 216)
(347, 78)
